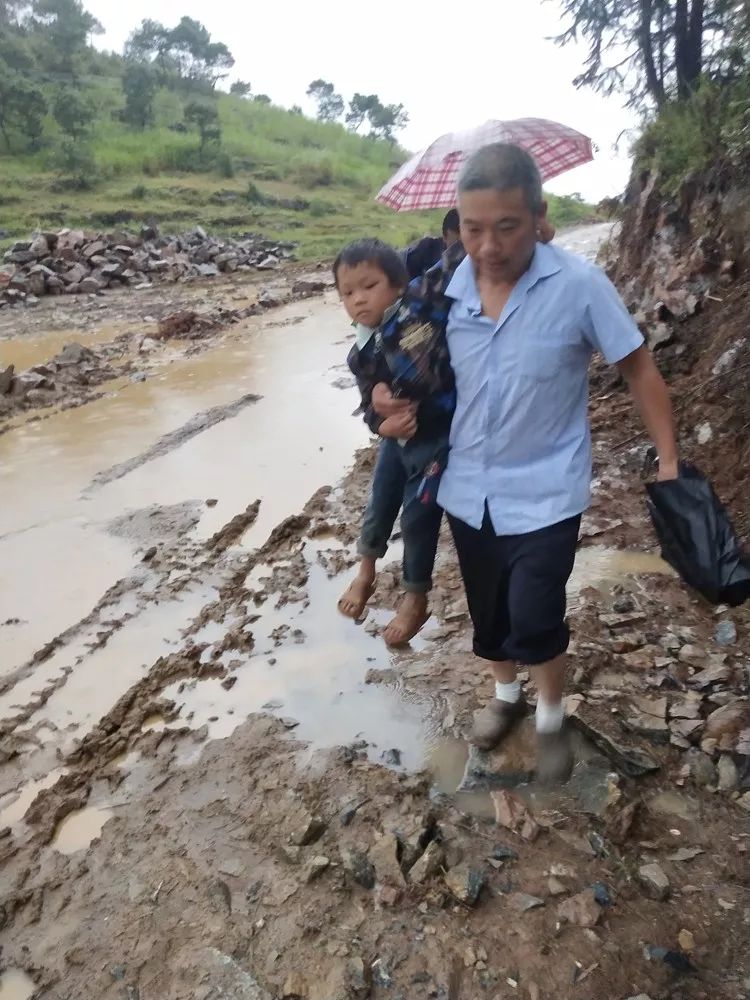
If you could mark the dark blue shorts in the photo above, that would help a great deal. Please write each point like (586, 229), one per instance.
(515, 588)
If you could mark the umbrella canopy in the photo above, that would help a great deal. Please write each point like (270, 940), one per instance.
(429, 179)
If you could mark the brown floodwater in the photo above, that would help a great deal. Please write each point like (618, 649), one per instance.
(298, 437)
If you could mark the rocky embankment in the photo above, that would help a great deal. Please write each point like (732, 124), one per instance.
(680, 264)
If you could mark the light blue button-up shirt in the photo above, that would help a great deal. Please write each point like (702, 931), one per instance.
(520, 439)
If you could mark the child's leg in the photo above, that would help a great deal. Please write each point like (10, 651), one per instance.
(386, 496)
(420, 529)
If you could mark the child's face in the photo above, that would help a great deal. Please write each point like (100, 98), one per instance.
(366, 292)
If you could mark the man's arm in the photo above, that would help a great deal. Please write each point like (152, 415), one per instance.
(651, 396)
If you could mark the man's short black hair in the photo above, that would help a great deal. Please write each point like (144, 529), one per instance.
(373, 251)
(451, 222)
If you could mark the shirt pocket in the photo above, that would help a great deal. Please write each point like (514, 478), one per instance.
(543, 358)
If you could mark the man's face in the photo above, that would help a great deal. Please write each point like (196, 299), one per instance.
(366, 292)
(499, 232)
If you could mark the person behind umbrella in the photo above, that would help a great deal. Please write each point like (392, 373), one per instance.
(524, 322)
(427, 252)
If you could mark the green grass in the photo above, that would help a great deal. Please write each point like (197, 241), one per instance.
(268, 157)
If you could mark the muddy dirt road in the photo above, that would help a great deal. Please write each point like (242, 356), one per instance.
(214, 786)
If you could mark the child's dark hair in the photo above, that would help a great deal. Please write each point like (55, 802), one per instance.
(373, 251)
(451, 222)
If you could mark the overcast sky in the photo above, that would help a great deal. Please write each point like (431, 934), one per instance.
(452, 65)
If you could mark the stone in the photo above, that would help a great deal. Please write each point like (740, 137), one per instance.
(685, 854)
(704, 433)
(388, 895)
(6, 380)
(310, 830)
(687, 729)
(92, 249)
(502, 853)
(465, 883)
(359, 866)
(693, 655)
(602, 894)
(305, 286)
(686, 940)
(728, 774)
(90, 286)
(656, 707)
(581, 910)
(75, 274)
(233, 867)
(384, 857)
(654, 881)
(357, 977)
(295, 987)
(728, 721)
(726, 633)
(269, 263)
(555, 886)
(524, 902)
(391, 757)
(315, 867)
(717, 673)
(73, 354)
(291, 853)
(430, 864)
(701, 768)
(511, 813)
(649, 726)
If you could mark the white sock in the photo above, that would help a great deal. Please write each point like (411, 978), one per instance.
(508, 692)
(549, 715)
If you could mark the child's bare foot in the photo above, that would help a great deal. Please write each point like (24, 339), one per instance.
(355, 597)
(411, 616)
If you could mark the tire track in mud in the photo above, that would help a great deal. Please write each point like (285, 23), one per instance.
(169, 442)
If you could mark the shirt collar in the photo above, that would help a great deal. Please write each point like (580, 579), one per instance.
(363, 334)
(463, 285)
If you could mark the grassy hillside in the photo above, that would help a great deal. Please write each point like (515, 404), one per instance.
(277, 172)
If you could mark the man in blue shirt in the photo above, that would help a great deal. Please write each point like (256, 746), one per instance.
(525, 321)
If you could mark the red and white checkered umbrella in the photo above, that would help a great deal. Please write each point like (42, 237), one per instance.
(429, 179)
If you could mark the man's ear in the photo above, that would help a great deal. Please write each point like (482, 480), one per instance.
(545, 231)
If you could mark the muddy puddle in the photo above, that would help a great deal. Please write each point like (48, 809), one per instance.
(13, 806)
(50, 522)
(80, 828)
(16, 985)
(310, 668)
(603, 568)
(104, 675)
(39, 348)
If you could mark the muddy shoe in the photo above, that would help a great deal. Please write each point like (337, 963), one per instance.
(495, 721)
(554, 757)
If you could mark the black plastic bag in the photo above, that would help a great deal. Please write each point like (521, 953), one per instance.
(697, 537)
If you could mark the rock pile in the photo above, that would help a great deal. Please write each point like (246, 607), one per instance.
(73, 373)
(76, 262)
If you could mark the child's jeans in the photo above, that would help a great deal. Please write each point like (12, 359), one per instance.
(399, 473)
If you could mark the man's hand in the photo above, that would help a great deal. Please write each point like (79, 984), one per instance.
(386, 404)
(402, 425)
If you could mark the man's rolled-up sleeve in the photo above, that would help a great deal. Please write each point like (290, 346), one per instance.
(609, 327)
